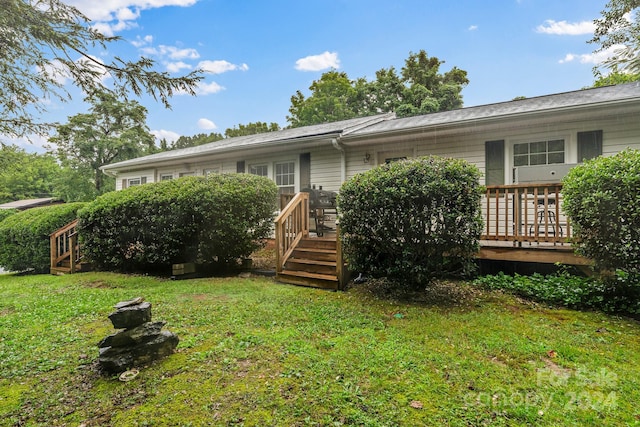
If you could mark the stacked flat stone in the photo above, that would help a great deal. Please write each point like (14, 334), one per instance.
(139, 341)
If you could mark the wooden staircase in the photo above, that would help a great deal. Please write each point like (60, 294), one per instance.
(65, 251)
(313, 262)
(302, 259)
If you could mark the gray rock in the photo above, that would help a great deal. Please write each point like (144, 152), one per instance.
(119, 359)
(131, 316)
(133, 336)
(131, 302)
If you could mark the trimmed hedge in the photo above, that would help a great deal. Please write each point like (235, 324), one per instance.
(24, 236)
(4, 213)
(214, 220)
(602, 197)
(412, 221)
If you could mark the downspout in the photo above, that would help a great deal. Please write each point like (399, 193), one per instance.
(343, 158)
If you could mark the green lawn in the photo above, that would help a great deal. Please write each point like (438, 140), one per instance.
(253, 352)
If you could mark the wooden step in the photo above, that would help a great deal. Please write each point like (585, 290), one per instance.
(311, 266)
(318, 243)
(314, 254)
(324, 281)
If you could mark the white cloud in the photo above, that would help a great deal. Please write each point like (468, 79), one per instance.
(206, 124)
(591, 58)
(318, 62)
(109, 10)
(175, 67)
(564, 28)
(161, 134)
(473, 28)
(220, 66)
(142, 41)
(177, 53)
(208, 88)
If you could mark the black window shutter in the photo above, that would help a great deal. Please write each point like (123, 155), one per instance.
(494, 162)
(589, 145)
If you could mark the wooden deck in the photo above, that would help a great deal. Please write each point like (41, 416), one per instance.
(522, 223)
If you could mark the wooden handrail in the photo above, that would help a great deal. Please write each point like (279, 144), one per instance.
(525, 213)
(291, 226)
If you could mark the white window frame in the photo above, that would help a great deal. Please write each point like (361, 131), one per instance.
(166, 176)
(292, 175)
(190, 173)
(258, 165)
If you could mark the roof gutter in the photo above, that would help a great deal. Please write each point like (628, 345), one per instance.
(337, 144)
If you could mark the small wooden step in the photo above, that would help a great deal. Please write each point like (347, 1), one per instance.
(314, 254)
(329, 277)
(318, 243)
(324, 281)
(311, 266)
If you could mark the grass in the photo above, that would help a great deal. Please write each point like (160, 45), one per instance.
(253, 352)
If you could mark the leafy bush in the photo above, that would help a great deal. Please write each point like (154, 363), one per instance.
(24, 236)
(412, 221)
(619, 296)
(4, 213)
(214, 220)
(602, 197)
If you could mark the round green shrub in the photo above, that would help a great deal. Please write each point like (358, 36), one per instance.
(212, 220)
(412, 221)
(24, 236)
(602, 198)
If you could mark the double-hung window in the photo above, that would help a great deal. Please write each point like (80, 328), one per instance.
(259, 169)
(285, 176)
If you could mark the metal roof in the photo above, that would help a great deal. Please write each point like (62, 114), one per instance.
(285, 136)
(539, 104)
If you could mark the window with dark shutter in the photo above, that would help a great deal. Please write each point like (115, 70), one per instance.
(589, 145)
(494, 162)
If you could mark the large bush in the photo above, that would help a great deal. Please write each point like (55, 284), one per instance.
(4, 213)
(412, 221)
(602, 198)
(24, 236)
(214, 220)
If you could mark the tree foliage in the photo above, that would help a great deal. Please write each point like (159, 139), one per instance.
(45, 42)
(251, 129)
(192, 141)
(412, 221)
(420, 88)
(111, 131)
(620, 26)
(202, 138)
(26, 175)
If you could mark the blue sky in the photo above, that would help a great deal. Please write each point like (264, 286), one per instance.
(258, 53)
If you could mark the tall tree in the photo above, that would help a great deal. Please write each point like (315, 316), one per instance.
(251, 129)
(620, 26)
(112, 131)
(42, 42)
(26, 175)
(192, 141)
(331, 100)
(419, 89)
